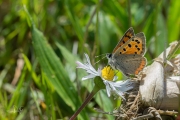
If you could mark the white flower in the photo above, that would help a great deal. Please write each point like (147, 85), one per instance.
(108, 77)
(119, 87)
(89, 69)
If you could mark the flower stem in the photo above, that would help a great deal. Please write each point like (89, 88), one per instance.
(90, 96)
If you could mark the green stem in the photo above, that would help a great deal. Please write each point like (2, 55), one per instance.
(29, 16)
(90, 96)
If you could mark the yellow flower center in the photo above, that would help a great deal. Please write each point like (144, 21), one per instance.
(107, 73)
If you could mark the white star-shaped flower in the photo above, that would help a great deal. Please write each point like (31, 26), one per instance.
(108, 77)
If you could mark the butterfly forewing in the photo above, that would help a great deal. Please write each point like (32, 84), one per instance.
(128, 35)
(136, 45)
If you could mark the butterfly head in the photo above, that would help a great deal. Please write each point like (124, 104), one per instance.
(110, 60)
(109, 56)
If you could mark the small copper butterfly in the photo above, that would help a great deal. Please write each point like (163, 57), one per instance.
(128, 55)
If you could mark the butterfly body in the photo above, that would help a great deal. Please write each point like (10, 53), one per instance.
(128, 55)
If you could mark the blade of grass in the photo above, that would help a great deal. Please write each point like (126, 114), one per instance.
(3, 74)
(54, 70)
(173, 21)
(17, 98)
(30, 69)
(69, 5)
(36, 102)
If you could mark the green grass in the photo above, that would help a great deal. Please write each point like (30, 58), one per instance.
(54, 35)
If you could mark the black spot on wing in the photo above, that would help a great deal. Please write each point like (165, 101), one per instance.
(129, 45)
(137, 41)
(128, 36)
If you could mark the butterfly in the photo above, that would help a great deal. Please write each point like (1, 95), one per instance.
(128, 55)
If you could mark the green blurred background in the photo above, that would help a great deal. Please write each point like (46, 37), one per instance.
(38, 76)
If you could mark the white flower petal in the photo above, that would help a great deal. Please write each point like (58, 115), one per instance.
(119, 83)
(80, 65)
(108, 89)
(99, 71)
(88, 67)
(120, 94)
(124, 85)
(124, 89)
(119, 87)
(91, 71)
(117, 91)
(87, 58)
(115, 78)
(88, 77)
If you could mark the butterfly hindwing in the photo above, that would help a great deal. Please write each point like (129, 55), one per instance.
(136, 45)
(128, 35)
(130, 64)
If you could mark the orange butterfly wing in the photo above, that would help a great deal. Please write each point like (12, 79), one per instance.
(133, 46)
(141, 66)
(136, 45)
(128, 35)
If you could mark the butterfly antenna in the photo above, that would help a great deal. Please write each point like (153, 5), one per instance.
(116, 72)
(99, 55)
(100, 60)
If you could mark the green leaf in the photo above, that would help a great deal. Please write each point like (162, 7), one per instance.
(69, 57)
(115, 9)
(69, 6)
(54, 71)
(105, 103)
(173, 21)
(161, 35)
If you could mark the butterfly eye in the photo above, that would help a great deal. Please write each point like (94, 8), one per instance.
(109, 55)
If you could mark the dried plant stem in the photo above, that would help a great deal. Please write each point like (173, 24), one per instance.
(150, 115)
(174, 50)
(73, 117)
(171, 113)
(135, 103)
